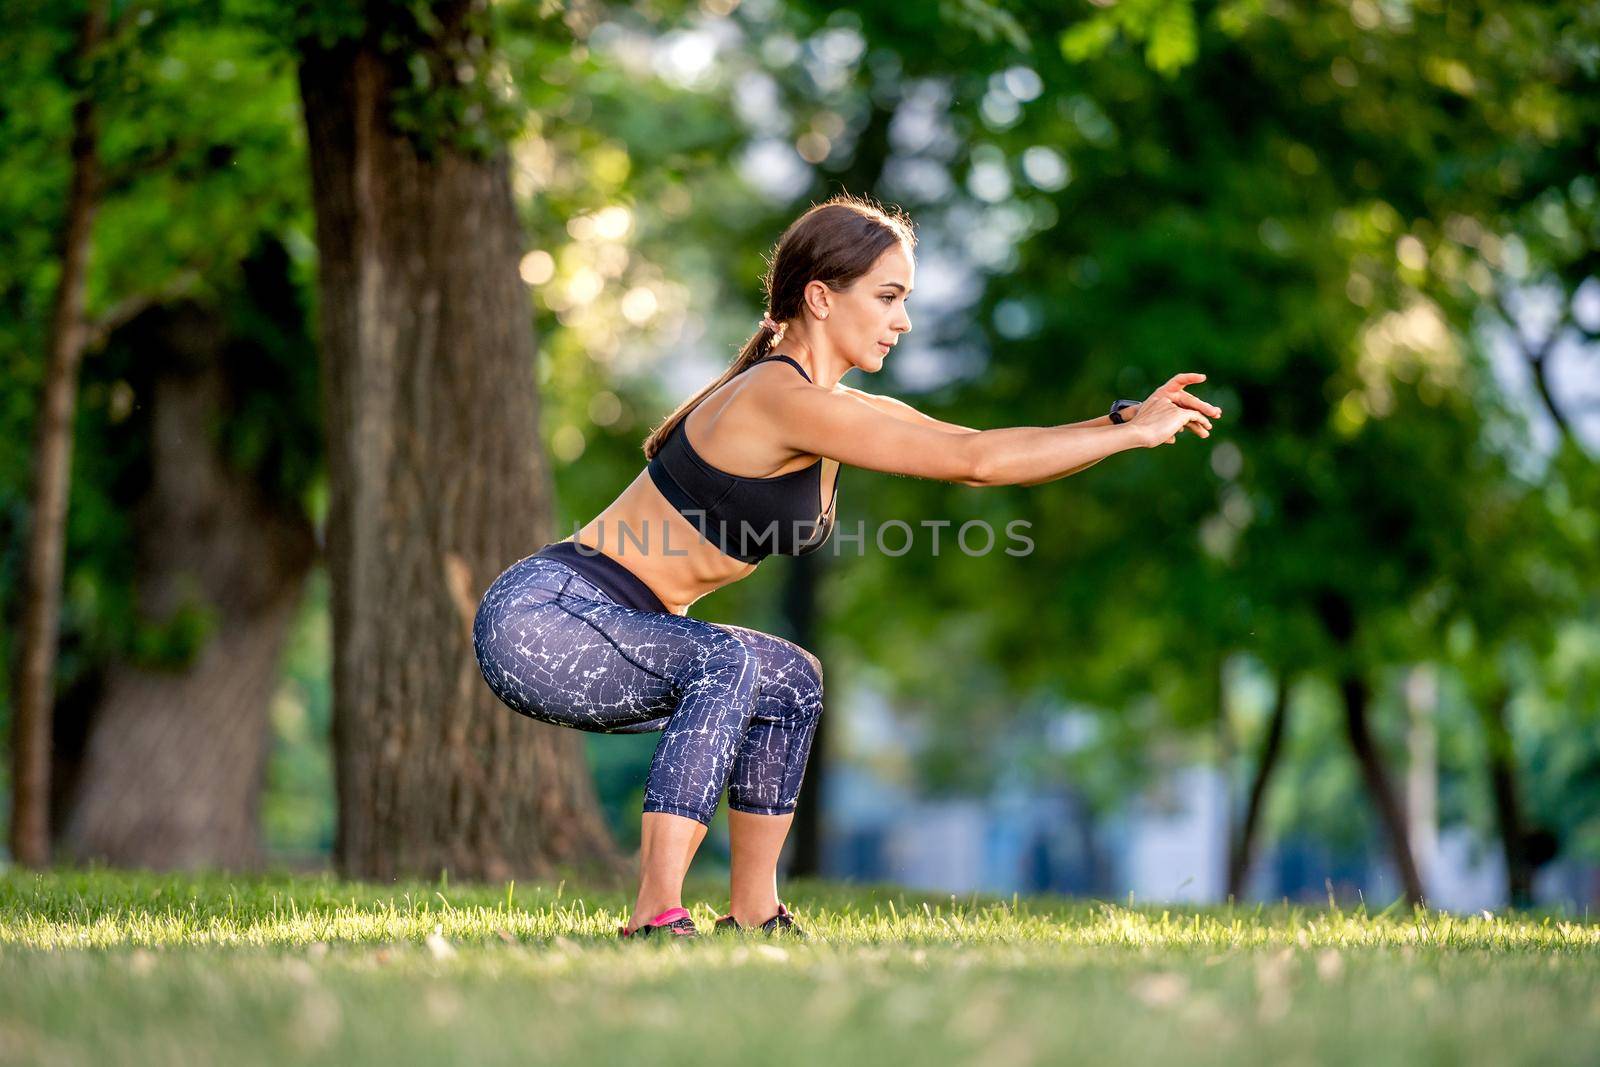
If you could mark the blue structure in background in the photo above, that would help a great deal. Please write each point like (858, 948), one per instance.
(1175, 850)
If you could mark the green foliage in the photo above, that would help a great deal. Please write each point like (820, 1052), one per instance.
(1167, 28)
(173, 643)
(298, 802)
(1320, 206)
(990, 21)
(445, 76)
(1311, 210)
(203, 184)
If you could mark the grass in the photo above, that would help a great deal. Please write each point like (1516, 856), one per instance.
(140, 968)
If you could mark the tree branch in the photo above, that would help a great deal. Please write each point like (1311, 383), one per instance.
(1536, 354)
(131, 307)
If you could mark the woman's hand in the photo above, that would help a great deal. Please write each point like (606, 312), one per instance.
(1170, 410)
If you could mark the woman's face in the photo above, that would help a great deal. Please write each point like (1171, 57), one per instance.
(866, 319)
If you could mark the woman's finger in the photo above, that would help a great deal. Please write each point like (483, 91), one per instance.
(1194, 403)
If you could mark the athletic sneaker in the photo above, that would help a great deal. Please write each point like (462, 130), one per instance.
(675, 921)
(781, 923)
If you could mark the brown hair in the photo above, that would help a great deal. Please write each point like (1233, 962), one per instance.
(835, 242)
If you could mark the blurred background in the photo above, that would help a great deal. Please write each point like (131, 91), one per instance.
(1349, 647)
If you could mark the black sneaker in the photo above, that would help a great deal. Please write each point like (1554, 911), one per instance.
(674, 921)
(782, 923)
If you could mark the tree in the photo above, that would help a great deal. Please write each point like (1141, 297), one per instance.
(194, 435)
(171, 772)
(1242, 848)
(435, 475)
(30, 841)
(1261, 185)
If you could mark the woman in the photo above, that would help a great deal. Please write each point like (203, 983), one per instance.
(593, 632)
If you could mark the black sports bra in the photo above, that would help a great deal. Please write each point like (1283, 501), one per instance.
(747, 518)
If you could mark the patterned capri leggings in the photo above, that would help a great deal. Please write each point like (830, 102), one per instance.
(737, 708)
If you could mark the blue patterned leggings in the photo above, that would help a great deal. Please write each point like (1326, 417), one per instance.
(736, 707)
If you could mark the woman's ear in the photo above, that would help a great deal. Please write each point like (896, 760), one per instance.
(819, 298)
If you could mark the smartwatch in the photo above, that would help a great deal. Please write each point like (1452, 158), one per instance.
(1117, 408)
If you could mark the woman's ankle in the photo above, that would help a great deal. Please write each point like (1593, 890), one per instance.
(753, 912)
(647, 908)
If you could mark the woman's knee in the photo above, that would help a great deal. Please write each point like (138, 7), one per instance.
(816, 669)
(782, 660)
(811, 678)
(806, 670)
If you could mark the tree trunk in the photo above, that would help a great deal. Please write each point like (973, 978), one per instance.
(437, 483)
(41, 610)
(1500, 753)
(800, 611)
(1244, 847)
(173, 769)
(865, 171)
(1357, 699)
(1227, 747)
(1421, 792)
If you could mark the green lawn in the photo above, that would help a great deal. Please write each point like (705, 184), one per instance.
(133, 968)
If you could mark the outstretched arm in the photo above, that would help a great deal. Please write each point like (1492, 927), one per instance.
(845, 426)
(906, 413)
(1103, 420)
(1163, 415)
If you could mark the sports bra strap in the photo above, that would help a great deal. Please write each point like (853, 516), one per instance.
(786, 359)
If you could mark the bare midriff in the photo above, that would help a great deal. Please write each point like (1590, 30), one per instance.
(643, 531)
